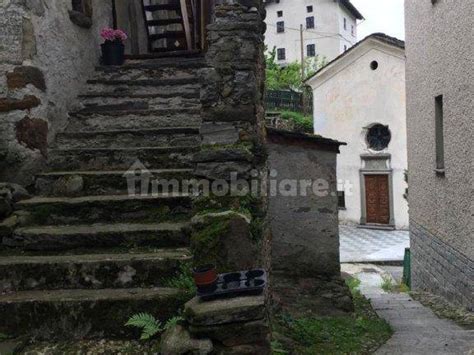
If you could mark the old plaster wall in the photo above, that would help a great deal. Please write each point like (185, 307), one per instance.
(439, 62)
(352, 98)
(305, 228)
(45, 60)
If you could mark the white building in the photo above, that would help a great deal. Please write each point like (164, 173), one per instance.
(329, 28)
(359, 98)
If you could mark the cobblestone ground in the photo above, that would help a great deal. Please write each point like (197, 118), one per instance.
(369, 245)
(417, 330)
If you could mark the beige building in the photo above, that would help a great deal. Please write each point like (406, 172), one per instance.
(329, 28)
(359, 98)
(440, 77)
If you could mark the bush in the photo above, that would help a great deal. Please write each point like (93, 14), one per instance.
(302, 123)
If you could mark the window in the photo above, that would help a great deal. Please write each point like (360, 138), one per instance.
(310, 22)
(439, 134)
(341, 200)
(280, 27)
(374, 65)
(353, 30)
(345, 48)
(345, 24)
(311, 50)
(81, 13)
(280, 13)
(378, 137)
(309, 9)
(281, 54)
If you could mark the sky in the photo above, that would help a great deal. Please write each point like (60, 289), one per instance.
(385, 16)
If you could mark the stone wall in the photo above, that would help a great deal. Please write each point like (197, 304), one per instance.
(303, 208)
(439, 268)
(45, 59)
(232, 138)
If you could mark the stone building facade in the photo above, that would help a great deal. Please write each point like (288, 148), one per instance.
(440, 79)
(47, 52)
(359, 98)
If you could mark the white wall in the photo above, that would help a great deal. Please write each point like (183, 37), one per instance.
(351, 96)
(328, 34)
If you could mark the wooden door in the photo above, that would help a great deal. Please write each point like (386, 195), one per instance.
(377, 199)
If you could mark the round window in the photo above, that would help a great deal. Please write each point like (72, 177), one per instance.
(378, 137)
(374, 65)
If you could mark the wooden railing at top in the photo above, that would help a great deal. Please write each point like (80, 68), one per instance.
(204, 11)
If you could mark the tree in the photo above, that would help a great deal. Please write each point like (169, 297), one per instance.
(289, 77)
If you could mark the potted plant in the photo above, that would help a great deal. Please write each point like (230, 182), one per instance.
(113, 49)
(205, 278)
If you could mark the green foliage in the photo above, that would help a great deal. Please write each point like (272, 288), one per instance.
(4, 337)
(277, 348)
(360, 333)
(149, 325)
(387, 284)
(183, 280)
(289, 77)
(302, 123)
(353, 283)
(170, 323)
(205, 243)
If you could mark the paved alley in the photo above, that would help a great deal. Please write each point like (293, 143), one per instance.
(417, 330)
(370, 245)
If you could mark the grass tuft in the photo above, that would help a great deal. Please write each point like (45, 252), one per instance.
(360, 333)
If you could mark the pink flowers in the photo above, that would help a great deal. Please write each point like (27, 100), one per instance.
(109, 34)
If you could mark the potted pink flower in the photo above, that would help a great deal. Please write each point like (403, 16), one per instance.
(113, 49)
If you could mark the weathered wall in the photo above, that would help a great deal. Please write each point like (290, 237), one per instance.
(350, 98)
(304, 222)
(44, 62)
(232, 133)
(328, 16)
(305, 228)
(439, 62)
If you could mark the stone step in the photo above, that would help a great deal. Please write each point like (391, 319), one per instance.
(173, 62)
(93, 183)
(79, 314)
(126, 101)
(95, 271)
(134, 119)
(120, 158)
(143, 87)
(106, 209)
(145, 72)
(132, 138)
(98, 236)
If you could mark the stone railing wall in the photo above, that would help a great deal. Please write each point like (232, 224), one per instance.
(233, 135)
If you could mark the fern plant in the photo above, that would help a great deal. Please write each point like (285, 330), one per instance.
(170, 323)
(150, 325)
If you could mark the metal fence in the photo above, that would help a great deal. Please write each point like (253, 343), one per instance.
(278, 100)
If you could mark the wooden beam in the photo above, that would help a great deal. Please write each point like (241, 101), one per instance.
(186, 24)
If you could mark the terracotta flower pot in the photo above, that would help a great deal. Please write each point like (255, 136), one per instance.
(205, 275)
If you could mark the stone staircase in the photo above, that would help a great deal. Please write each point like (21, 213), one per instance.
(85, 254)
